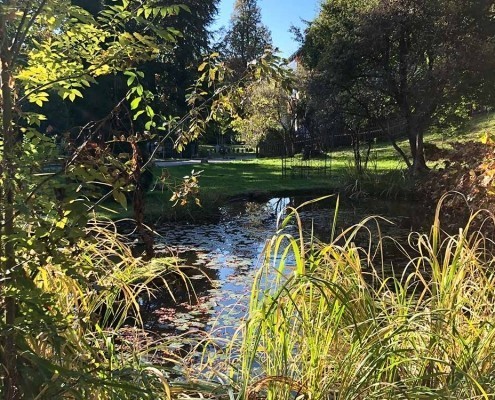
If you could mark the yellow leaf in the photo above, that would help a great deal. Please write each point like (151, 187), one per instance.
(61, 224)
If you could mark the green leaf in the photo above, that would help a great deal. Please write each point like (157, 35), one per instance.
(135, 103)
(150, 112)
(61, 224)
(212, 74)
(185, 8)
(130, 80)
(137, 114)
(120, 198)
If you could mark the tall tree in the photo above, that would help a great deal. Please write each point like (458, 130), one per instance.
(171, 74)
(410, 60)
(267, 107)
(246, 38)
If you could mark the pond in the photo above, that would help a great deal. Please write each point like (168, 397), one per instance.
(222, 257)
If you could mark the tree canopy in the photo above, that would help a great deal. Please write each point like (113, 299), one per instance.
(413, 62)
(267, 107)
(246, 38)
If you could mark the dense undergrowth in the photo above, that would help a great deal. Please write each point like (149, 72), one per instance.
(73, 345)
(468, 169)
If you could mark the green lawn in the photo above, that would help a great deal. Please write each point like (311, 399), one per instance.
(472, 130)
(236, 179)
(258, 177)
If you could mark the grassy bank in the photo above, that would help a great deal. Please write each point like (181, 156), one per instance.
(261, 178)
(257, 179)
(254, 179)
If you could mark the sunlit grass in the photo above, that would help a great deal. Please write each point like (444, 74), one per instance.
(472, 130)
(256, 177)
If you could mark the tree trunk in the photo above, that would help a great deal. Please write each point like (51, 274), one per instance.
(411, 137)
(395, 145)
(403, 100)
(368, 152)
(357, 153)
(8, 268)
(419, 162)
(138, 205)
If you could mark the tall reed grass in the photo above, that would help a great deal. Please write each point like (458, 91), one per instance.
(335, 320)
(326, 321)
(360, 184)
(77, 350)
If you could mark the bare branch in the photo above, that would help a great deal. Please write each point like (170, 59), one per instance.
(21, 23)
(16, 46)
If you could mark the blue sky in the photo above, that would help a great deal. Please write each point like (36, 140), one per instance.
(278, 16)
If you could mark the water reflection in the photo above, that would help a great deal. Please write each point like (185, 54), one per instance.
(223, 257)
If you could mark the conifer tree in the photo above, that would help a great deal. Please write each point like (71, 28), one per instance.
(246, 37)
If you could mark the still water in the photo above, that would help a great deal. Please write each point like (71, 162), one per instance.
(221, 258)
